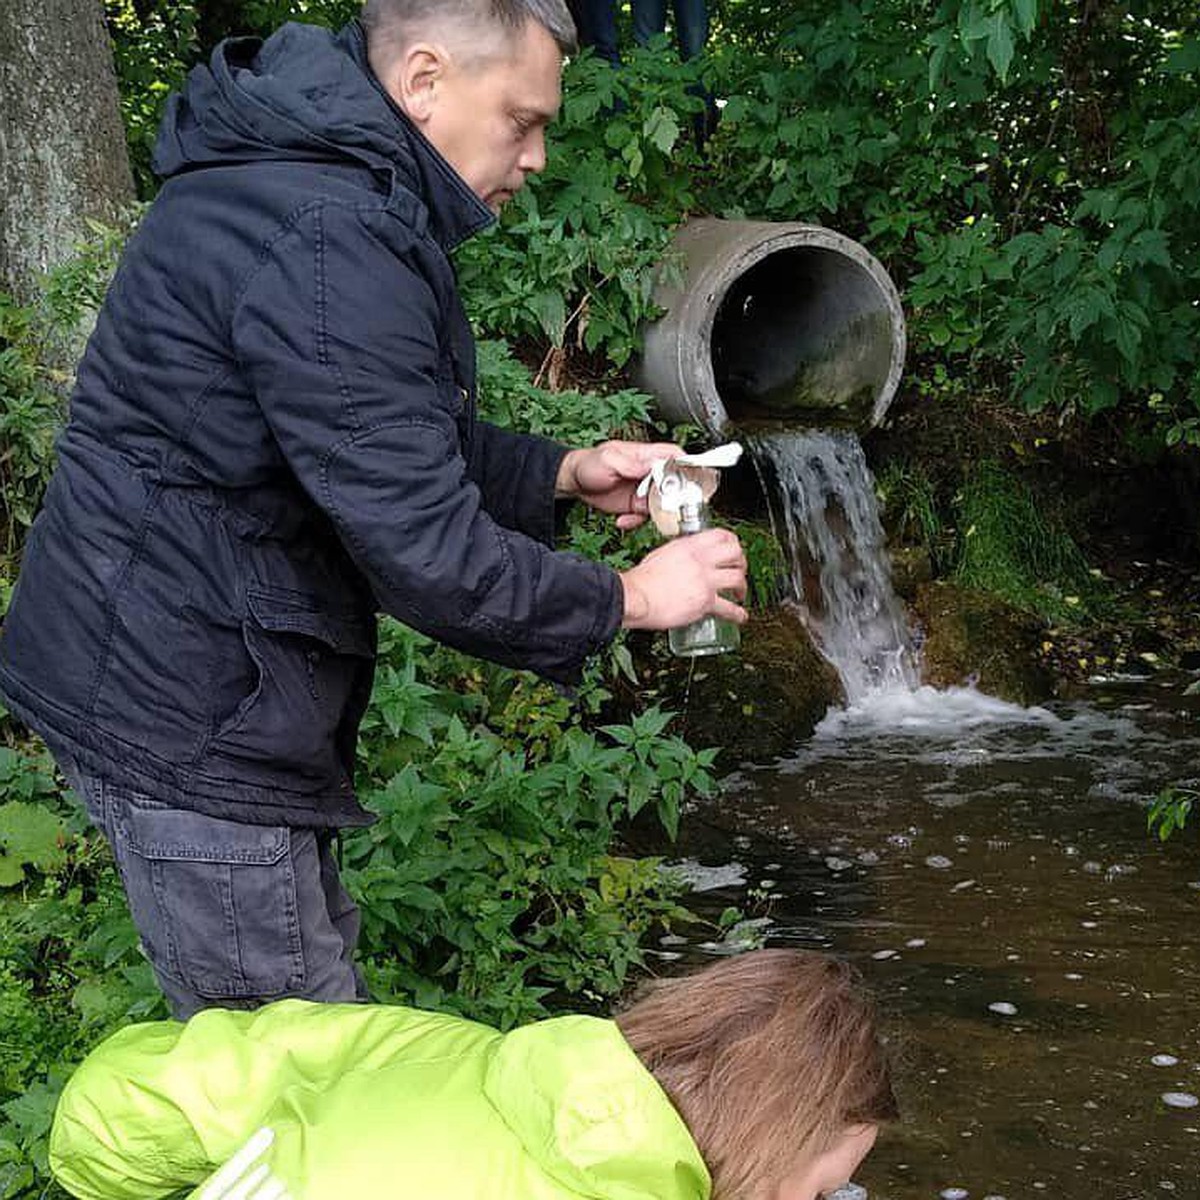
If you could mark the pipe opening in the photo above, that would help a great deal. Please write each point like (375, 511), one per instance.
(805, 335)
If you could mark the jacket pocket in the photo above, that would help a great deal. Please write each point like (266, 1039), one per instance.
(313, 668)
(214, 901)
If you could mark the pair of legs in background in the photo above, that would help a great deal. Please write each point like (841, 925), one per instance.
(597, 22)
(229, 914)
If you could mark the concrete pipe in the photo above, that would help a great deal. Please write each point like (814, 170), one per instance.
(773, 322)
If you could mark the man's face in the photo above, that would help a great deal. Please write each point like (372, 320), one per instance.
(488, 117)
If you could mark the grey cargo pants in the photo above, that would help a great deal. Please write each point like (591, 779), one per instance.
(230, 915)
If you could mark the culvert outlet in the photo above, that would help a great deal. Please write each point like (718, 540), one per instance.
(773, 322)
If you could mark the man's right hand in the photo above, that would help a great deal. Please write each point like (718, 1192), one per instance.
(682, 581)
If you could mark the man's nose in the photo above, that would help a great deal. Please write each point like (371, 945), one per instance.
(533, 153)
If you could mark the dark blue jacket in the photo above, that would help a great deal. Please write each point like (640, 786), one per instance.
(273, 435)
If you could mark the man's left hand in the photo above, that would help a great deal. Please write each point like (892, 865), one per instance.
(606, 477)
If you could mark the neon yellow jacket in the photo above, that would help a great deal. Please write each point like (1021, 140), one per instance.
(374, 1101)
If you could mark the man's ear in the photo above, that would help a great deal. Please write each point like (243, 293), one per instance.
(415, 79)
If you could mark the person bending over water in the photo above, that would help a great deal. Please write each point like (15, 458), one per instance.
(761, 1077)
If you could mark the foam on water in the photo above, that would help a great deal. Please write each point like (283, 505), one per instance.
(928, 712)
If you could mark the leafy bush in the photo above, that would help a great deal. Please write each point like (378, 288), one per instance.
(71, 970)
(31, 408)
(38, 343)
(488, 880)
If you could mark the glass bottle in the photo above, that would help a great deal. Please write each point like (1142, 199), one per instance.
(708, 635)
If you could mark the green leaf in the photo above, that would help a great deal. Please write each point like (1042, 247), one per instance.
(662, 129)
(973, 23)
(1026, 13)
(1184, 60)
(550, 309)
(29, 835)
(1000, 44)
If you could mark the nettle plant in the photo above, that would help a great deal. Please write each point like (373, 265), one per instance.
(488, 883)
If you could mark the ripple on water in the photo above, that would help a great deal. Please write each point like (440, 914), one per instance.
(1051, 866)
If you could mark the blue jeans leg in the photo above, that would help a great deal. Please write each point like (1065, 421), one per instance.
(691, 23)
(597, 26)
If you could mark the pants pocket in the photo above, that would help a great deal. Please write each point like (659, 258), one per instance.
(214, 901)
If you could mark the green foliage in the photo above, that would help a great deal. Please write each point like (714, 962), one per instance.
(577, 253)
(35, 342)
(508, 398)
(1043, 225)
(71, 970)
(1170, 810)
(1011, 548)
(31, 408)
(766, 564)
(153, 47)
(487, 881)
(910, 507)
(1025, 171)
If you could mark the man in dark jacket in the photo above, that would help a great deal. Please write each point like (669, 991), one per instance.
(273, 436)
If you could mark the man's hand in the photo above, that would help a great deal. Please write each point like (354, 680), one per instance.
(680, 582)
(606, 477)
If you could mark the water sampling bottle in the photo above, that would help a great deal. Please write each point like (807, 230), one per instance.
(679, 490)
(708, 635)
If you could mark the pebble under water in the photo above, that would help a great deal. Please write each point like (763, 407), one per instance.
(1036, 951)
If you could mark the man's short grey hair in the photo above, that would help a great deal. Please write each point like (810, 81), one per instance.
(392, 24)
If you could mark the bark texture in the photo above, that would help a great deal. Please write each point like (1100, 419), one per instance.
(63, 156)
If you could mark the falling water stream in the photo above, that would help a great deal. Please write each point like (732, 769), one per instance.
(821, 500)
(1036, 952)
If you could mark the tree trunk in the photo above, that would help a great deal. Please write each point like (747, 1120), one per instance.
(63, 156)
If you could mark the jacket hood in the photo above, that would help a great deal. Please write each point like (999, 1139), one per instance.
(593, 1116)
(307, 94)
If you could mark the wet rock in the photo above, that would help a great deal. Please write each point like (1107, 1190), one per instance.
(970, 636)
(911, 568)
(1003, 1008)
(756, 704)
(1180, 1100)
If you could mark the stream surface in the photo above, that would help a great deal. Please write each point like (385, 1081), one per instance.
(1036, 952)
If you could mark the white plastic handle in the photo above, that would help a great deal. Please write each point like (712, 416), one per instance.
(719, 456)
(241, 1179)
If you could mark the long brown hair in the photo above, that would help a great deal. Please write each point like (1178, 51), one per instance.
(768, 1057)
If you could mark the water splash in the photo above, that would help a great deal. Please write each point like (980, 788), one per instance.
(821, 499)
